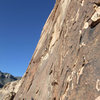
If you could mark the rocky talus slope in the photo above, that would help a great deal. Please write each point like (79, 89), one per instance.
(66, 62)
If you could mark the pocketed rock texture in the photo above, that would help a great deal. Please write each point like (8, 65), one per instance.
(66, 62)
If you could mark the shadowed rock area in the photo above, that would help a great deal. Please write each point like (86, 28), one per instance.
(66, 62)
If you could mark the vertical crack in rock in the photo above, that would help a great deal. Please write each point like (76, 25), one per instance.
(65, 92)
(79, 74)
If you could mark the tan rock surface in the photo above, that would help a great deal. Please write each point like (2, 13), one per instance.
(66, 62)
(9, 90)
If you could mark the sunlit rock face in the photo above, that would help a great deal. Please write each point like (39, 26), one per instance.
(9, 90)
(66, 62)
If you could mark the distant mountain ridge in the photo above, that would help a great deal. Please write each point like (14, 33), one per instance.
(6, 77)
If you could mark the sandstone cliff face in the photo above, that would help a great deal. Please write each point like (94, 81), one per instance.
(66, 62)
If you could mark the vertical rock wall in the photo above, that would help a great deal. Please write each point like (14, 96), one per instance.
(66, 62)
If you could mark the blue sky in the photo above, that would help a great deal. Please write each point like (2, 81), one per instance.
(21, 23)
